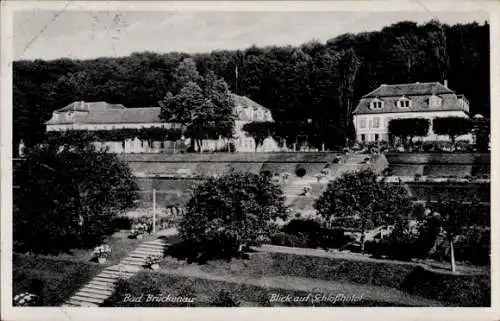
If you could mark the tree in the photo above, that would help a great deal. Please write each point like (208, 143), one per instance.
(359, 195)
(481, 130)
(259, 131)
(348, 68)
(451, 126)
(228, 213)
(186, 72)
(204, 109)
(454, 217)
(408, 128)
(69, 193)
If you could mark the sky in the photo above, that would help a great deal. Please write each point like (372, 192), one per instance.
(90, 34)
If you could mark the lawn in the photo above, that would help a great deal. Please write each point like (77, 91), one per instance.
(250, 292)
(380, 280)
(120, 245)
(54, 279)
(57, 277)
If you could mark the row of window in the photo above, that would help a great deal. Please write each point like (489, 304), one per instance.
(374, 137)
(254, 115)
(374, 122)
(434, 101)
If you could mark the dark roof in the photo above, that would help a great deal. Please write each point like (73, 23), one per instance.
(413, 89)
(106, 113)
(418, 93)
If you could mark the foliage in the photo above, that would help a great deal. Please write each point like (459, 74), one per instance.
(229, 212)
(52, 280)
(259, 131)
(203, 105)
(454, 216)
(139, 228)
(118, 135)
(153, 259)
(309, 234)
(360, 195)
(409, 127)
(300, 171)
(451, 126)
(481, 128)
(314, 80)
(25, 299)
(69, 192)
(102, 251)
(225, 299)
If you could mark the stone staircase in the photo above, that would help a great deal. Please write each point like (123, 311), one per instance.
(353, 159)
(102, 285)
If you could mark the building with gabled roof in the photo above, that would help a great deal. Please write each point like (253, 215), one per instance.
(413, 100)
(93, 116)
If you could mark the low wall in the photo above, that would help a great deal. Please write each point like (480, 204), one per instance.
(439, 158)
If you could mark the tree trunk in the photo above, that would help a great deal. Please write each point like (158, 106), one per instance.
(452, 255)
(362, 241)
(198, 143)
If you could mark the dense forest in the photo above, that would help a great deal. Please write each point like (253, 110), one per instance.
(316, 82)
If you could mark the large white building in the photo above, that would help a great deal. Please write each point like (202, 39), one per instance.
(415, 100)
(93, 116)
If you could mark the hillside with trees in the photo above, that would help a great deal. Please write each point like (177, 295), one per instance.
(316, 84)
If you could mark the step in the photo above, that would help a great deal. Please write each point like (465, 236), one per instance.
(103, 282)
(70, 305)
(80, 303)
(116, 274)
(159, 243)
(150, 248)
(162, 241)
(147, 253)
(136, 264)
(144, 254)
(86, 299)
(98, 286)
(92, 295)
(123, 268)
(97, 291)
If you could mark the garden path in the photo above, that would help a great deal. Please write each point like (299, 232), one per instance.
(97, 290)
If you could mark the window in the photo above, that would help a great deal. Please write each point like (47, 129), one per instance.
(362, 123)
(376, 137)
(376, 122)
(404, 103)
(363, 137)
(377, 104)
(434, 101)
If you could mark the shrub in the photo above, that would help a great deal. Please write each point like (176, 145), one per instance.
(285, 239)
(225, 299)
(69, 194)
(229, 213)
(427, 147)
(360, 195)
(300, 172)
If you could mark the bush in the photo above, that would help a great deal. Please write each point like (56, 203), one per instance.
(427, 147)
(225, 299)
(300, 172)
(229, 213)
(309, 234)
(285, 239)
(69, 194)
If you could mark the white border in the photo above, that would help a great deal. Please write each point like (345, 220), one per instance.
(55, 313)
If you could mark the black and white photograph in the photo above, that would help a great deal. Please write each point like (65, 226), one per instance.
(261, 158)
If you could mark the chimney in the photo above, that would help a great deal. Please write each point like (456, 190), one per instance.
(446, 83)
